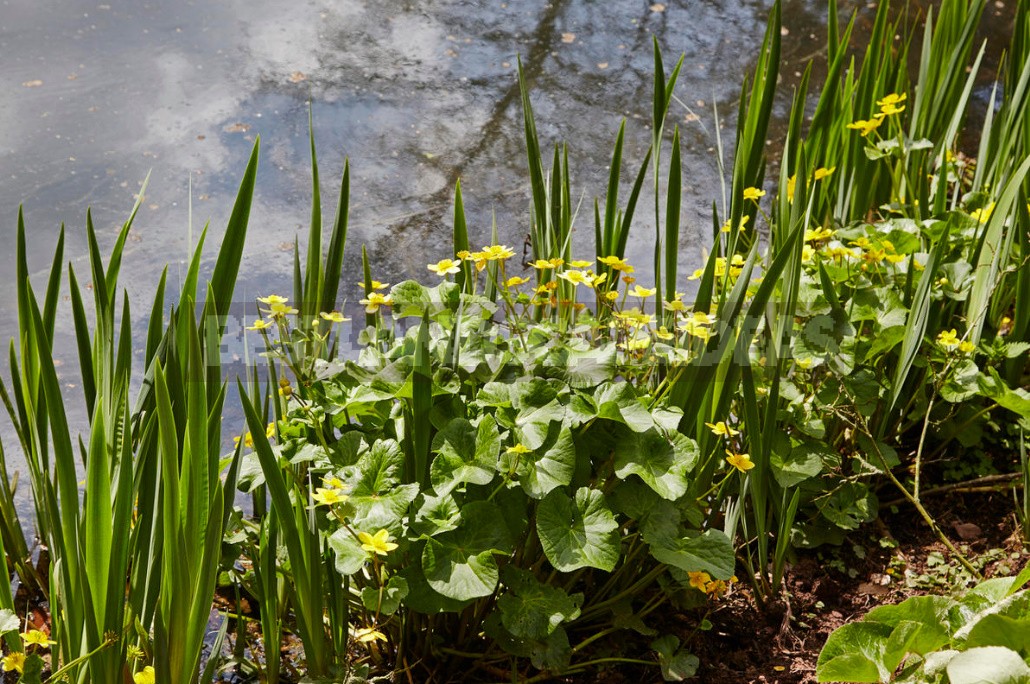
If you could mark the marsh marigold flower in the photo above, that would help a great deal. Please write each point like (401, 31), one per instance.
(35, 637)
(334, 317)
(260, 324)
(948, 339)
(865, 126)
(14, 662)
(376, 285)
(495, 253)
(328, 496)
(741, 462)
(519, 448)
(444, 267)
(699, 580)
(367, 635)
(753, 194)
(642, 292)
(823, 172)
(379, 543)
(722, 429)
(145, 676)
(376, 300)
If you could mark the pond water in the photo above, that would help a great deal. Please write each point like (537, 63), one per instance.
(417, 94)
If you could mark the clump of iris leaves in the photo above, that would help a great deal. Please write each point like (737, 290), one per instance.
(527, 460)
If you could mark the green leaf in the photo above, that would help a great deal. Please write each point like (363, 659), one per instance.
(854, 653)
(533, 610)
(9, 621)
(711, 551)
(850, 505)
(803, 462)
(988, 665)
(541, 470)
(465, 454)
(553, 654)
(387, 600)
(460, 564)
(350, 557)
(677, 663)
(1001, 630)
(590, 367)
(617, 401)
(578, 533)
(379, 501)
(962, 382)
(661, 462)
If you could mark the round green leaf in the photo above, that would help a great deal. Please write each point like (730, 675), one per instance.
(578, 533)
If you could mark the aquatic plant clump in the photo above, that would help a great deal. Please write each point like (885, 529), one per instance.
(517, 468)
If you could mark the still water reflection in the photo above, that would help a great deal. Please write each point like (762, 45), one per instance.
(416, 94)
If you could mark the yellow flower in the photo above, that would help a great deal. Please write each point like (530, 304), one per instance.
(676, 305)
(376, 300)
(334, 317)
(611, 295)
(743, 222)
(13, 662)
(495, 253)
(741, 462)
(376, 285)
(369, 634)
(576, 277)
(35, 637)
(983, 215)
(616, 263)
(579, 263)
(280, 310)
(895, 258)
(701, 318)
(642, 292)
(889, 105)
(753, 194)
(260, 324)
(546, 287)
(715, 588)
(817, 234)
(328, 497)
(823, 172)
(635, 344)
(273, 299)
(695, 329)
(699, 580)
(635, 318)
(519, 448)
(892, 99)
(444, 267)
(515, 281)
(595, 280)
(722, 429)
(248, 441)
(966, 347)
(378, 543)
(332, 482)
(807, 252)
(791, 182)
(145, 676)
(866, 127)
(948, 339)
(891, 110)
(663, 333)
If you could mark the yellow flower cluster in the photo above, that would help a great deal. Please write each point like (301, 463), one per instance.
(704, 583)
(889, 106)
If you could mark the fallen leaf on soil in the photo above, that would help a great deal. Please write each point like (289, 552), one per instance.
(237, 128)
(872, 589)
(33, 84)
(298, 76)
(568, 37)
(967, 531)
(657, 7)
